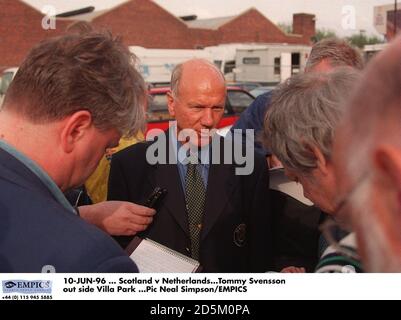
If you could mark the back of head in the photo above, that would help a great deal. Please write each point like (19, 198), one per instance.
(304, 113)
(83, 70)
(336, 52)
(80, 27)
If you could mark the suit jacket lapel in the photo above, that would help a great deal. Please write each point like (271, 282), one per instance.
(167, 176)
(221, 184)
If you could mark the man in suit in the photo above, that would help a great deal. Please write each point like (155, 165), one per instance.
(73, 97)
(209, 213)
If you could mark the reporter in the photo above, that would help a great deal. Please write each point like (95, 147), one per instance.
(72, 98)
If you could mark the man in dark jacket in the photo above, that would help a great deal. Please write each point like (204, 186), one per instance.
(211, 212)
(72, 98)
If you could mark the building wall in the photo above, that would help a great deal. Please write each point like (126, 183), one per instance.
(144, 23)
(141, 23)
(252, 26)
(304, 25)
(203, 38)
(20, 29)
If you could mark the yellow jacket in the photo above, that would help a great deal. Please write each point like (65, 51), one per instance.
(96, 185)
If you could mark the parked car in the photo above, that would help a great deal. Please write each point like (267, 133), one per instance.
(247, 86)
(158, 116)
(260, 90)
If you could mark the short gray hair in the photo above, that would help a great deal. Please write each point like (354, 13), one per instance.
(338, 52)
(304, 113)
(175, 79)
(177, 73)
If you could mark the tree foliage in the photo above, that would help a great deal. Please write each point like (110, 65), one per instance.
(323, 34)
(285, 27)
(360, 40)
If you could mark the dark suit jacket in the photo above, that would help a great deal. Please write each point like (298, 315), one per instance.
(233, 203)
(296, 224)
(36, 231)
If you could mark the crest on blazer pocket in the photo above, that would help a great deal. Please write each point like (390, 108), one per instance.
(240, 235)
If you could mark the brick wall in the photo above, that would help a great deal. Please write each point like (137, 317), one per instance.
(20, 29)
(143, 23)
(304, 24)
(251, 26)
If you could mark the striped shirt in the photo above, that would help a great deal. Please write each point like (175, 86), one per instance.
(333, 261)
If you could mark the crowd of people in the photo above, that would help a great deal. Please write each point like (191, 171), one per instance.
(326, 151)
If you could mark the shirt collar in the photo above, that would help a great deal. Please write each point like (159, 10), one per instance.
(40, 173)
(203, 153)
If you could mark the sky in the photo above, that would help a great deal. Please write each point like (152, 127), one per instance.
(345, 17)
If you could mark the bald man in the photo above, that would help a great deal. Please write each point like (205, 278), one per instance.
(210, 213)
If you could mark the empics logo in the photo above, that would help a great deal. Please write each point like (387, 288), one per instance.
(27, 286)
(10, 284)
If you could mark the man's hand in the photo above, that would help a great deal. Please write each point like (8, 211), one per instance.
(118, 218)
(293, 270)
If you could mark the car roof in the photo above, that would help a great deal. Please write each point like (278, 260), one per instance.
(159, 90)
(15, 69)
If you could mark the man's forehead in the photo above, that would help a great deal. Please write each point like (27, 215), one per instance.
(198, 84)
(198, 70)
(206, 100)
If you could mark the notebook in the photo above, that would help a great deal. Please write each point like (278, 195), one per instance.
(153, 257)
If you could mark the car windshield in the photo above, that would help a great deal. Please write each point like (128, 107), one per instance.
(5, 81)
(158, 103)
(239, 100)
(157, 108)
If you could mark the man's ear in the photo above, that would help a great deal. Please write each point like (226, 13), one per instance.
(321, 162)
(171, 103)
(74, 128)
(387, 163)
